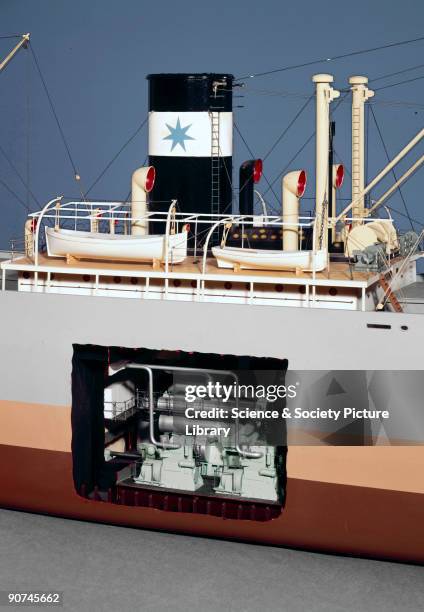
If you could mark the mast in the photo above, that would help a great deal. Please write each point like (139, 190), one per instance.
(331, 199)
(22, 43)
(360, 94)
(325, 94)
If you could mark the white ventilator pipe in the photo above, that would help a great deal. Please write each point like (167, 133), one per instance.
(411, 144)
(398, 183)
(293, 187)
(325, 94)
(360, 94)
(143, 180)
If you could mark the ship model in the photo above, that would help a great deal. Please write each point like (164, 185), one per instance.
(111, 309)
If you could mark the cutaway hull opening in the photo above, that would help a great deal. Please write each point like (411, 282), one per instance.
(178, 431)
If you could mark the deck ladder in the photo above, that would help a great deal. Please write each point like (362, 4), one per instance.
(389, 293)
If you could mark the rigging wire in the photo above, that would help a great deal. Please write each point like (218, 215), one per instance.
(280, 137)
(333, 58)
(391, 74)
(298, 152)
(115, 157)
(421, 223)
(230, 181)
(400, 83)
(253, 156)
(14, 194)
(292, 122)
(125, 200)
(392, 171)
(339, 158)
(18, 174)
(55, 115)
(304, 96)
(304, 145)
(275, 144)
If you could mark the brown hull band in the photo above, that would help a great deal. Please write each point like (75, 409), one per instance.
(320, 516)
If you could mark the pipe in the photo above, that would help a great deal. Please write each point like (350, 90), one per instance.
(398, 183)
(39, 217)
(143, 180)
(29, 237)
(337, 182)
(94, 220)
(293, 187)
(263, 204)
(250, 173)
(411, 144)
(325, 94)
(360, 94)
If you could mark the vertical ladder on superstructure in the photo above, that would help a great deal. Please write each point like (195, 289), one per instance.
(215, 109)
(215, 163)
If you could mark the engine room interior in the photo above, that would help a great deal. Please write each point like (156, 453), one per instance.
(147, 433)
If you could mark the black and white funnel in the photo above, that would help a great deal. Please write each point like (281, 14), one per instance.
(191, 141)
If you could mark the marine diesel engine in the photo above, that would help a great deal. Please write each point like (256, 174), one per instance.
(219, 455)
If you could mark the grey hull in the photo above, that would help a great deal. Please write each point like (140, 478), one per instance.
(38, 331)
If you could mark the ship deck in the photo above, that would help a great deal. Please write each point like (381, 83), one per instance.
(339, 274)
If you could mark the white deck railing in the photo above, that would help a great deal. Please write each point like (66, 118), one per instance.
(116, 215)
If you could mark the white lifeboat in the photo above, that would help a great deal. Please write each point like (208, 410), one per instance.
(94, 245)
(262, 259)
